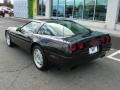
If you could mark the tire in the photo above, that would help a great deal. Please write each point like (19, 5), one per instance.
(39, 59)
(8, 40)
(3, 15)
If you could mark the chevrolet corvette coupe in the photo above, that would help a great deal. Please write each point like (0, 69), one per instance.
(58, 42)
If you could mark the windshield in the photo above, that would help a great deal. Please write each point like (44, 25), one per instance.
(66, 28)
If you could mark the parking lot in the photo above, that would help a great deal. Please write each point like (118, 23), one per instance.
(17, 71)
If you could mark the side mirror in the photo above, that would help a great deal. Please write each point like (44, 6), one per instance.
(19, 29)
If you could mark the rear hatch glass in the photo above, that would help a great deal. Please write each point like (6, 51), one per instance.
(67, 28)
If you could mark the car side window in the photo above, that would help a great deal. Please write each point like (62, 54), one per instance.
(31, 27)
(44, 30)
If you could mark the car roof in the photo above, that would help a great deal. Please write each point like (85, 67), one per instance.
(50, 20)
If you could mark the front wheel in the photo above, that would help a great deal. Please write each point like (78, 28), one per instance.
(39, 58)
(8, 40)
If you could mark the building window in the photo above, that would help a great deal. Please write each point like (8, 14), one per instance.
(78, 9)
(61, 8)
(58, 8)
(83, 9)
(89, 9)
(41, 7)
(69, 8)
(54, 7)
(101, 8)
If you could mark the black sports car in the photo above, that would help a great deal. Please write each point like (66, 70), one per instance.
(58, 41)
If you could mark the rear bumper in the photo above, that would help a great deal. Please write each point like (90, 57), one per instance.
(74, 60)
(78, 58)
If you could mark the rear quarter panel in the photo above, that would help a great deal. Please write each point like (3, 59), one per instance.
(51, 44)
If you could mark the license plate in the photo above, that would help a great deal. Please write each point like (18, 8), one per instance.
(93, 50)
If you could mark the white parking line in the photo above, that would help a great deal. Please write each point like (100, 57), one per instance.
(112, 49)
(111, 56)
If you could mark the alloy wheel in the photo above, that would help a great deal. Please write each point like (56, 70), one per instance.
(38, 58)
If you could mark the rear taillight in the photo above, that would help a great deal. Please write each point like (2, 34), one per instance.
(81, 46)
(108, 39)
(105, 40)
(94, 41)
(74, 48)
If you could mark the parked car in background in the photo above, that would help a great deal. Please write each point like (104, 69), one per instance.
(59, 42)
(10, 12)
(6, 10)
(2, 13)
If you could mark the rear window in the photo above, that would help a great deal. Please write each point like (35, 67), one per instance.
(66, 28)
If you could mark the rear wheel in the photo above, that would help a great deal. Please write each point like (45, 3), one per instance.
(8, 40)
(39, 58)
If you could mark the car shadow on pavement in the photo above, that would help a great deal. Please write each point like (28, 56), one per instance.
(81, 66)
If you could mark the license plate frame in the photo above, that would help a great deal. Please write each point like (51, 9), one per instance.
(93, 50)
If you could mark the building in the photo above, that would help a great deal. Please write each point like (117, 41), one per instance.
(94, 13)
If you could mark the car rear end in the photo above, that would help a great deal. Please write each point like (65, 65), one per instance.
(84, 49)
(90, 48)
(84, 44)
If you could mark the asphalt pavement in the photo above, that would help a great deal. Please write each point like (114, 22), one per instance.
(17, 71)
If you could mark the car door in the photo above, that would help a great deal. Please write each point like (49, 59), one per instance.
(46, 37)
(24, 36)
